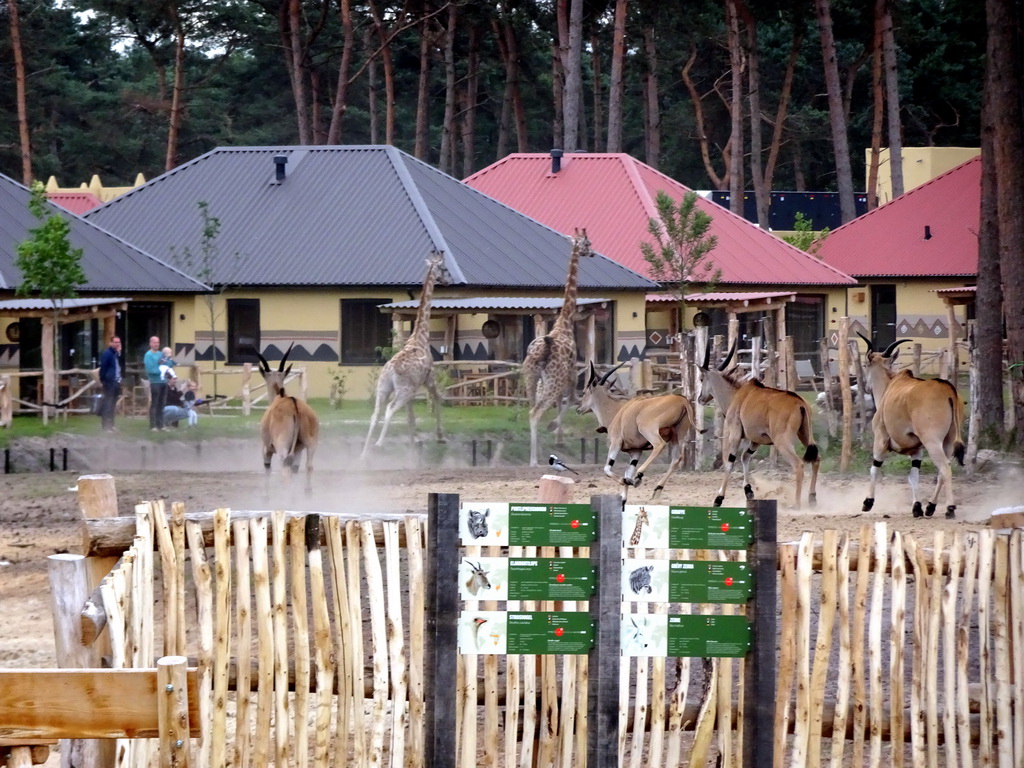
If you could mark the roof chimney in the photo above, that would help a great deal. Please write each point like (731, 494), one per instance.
(556, 160)
(280, 161)
(927, 232)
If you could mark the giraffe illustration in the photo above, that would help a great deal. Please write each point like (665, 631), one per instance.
(549, 370)
(641, 520)
(411, 367)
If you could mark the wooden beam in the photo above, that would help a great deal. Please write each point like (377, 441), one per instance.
(85, 704)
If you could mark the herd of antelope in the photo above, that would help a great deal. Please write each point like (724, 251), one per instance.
(912, 416)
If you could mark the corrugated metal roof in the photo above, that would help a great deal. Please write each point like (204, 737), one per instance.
(346, 216)
(486, 303)
(76, 202)
(654, 298)
(109, 263)
(930, 231)
(26, 304)
(613, 196)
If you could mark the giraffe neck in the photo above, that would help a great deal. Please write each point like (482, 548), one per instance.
(421, 328)
(563, 323)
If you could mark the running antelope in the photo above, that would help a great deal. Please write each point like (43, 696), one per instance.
(759, 415)
(289, 426)
(634, 425)
(913, 415)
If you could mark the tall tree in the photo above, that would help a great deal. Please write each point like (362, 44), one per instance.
(652, 104)
(878, 110)
(736, 184)
(762, 194)
(573, 92)
(20, 86)
(616, 84)
(837, 119)
(892, 100)
(1005, 78)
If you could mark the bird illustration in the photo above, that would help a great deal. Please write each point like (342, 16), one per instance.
(558, 466)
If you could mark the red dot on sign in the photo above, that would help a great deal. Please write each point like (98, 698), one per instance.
(559, 632)
(575, 523)
(560, 578)
(728, 581)
(725, 527)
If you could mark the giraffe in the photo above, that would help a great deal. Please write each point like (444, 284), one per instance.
(549, 370)
(411, 367)
(641, 518)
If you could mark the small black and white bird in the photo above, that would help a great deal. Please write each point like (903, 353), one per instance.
(558, 466)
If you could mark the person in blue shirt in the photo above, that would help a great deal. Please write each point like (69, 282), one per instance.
(157, 385)
(110, 380)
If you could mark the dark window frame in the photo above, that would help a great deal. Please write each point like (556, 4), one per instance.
(243, 342)
(364, 331)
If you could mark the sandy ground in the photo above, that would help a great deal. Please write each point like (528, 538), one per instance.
(39, 512)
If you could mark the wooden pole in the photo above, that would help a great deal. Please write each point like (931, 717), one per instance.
(954, 355)
(69, 589)
(49, 378)
(604, 660)
(844, 389)
(974, 387)
(246, 389)
(760, 671)
(172, 707)
(555, 489)
(6, 401)
(442, 611)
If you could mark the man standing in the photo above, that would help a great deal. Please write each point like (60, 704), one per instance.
(157, 385)
(110, 379)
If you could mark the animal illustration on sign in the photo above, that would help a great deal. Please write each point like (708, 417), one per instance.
(640, 579)
(641, 519)
(477, 579)
(476, 522)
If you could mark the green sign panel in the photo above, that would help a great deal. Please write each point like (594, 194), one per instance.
(551, 525)
(550, 579)
(549, 632)
(709, 528)
(703, 636)
(692, 581)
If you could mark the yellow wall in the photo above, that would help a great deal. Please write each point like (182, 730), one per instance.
(920, 164)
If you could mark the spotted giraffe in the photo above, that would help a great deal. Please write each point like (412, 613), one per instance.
(641, 520)
(549, 370)
(411, 367)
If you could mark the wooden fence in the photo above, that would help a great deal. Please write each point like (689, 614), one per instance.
(308, 635)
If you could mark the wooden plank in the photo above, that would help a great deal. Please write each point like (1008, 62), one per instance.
(897, 662)
(85, 704)
(760, 674)
(606, 607)
(843, 677)
(442, 604)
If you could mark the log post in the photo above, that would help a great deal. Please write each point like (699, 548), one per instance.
(69, 589)
(49, 367)
(915, 366)
(6, 401)
(844, 389)
(172, 711)
(555, 489)
(246, 389)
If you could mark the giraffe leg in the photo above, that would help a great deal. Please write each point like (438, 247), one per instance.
(393, 407)
(383, 390)
(435, 402)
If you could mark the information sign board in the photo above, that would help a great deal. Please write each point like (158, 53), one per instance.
(526, 578)
(551, 525)
(698, 635)
(709, 528)
(686, 581)
(534, 632)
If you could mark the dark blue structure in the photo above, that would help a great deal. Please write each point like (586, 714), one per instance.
(821, 208)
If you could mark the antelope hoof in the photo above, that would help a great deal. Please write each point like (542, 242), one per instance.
(918, 512)
(951, 511)
(929, 510)
(868, 504)
(748, 492)
(812, 500)
(637, 480)
(718, 501)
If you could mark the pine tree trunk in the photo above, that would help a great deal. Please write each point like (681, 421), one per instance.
(595, 68)
(423, 93)
(1006, 81)
(762, 194)
(615, 85)
(878, 113)
(448, 129)
(341, 92)
(892, 98)
(177, 93)
(469, 104)
(295, 55)
(652, 112)
(509, 49)
(783, 108)
(837, 119)
(573, 78)
(24, 139)
(735, 109)
(988, 327)
(559, 54)
(698, 118)
(371, 84)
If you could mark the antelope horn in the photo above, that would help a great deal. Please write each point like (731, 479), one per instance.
(725, 363)
(284, 359)
(264, 365)
(892, 347)
(871, 347)
(593, 374)
(608, 375)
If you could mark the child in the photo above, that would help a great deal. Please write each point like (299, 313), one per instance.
(167, 365)
(188, 399)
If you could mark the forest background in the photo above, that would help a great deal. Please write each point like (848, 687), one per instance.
(719, 94)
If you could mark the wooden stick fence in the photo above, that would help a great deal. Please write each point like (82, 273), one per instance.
(308, 636)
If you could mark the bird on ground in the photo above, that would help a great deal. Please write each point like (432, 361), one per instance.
(558, 466)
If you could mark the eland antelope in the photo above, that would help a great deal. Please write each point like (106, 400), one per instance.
(634, 425)
(759, 415)
(913, 415)
(289, 426)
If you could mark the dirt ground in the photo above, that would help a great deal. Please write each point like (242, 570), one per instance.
(39, 512)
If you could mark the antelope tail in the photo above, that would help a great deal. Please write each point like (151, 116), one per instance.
(959, 450)
(811, 454)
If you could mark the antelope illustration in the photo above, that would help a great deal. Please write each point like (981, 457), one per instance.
(913, 415)
(289, 426)
(477, 578)
(637, 424)
(757, 415)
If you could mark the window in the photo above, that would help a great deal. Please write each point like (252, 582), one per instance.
(364, 329)
(141, 321)
(243, 331)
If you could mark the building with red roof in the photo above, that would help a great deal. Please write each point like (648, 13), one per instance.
(75, 202)
(913, 258)
(613, 195)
